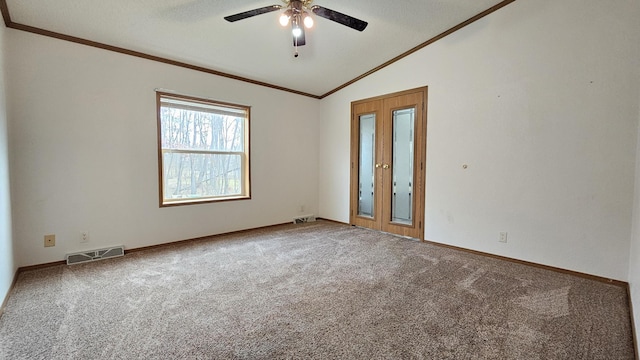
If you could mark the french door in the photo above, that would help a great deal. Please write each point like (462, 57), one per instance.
(388, 152)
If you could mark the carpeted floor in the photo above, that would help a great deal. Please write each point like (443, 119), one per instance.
(312, 291)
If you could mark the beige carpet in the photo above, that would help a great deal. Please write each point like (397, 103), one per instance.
(312, 291)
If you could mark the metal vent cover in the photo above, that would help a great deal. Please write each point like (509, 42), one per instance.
(304, 219)
(94, 255)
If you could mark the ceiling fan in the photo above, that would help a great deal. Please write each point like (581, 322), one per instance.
(297, 14)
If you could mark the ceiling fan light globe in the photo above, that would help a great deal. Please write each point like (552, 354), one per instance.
(284, 19)
(296, 31)
(308, 22)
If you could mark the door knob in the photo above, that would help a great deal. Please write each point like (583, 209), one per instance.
(378, 165)
(385, 166)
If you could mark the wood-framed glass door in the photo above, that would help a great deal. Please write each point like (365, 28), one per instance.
(388, 152)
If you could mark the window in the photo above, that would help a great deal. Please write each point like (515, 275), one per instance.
(203, 150)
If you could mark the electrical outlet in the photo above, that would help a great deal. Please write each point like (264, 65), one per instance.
(84, 237)
(49, 240)
(503, 237)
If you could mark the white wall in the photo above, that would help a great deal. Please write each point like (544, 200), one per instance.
(540, 99)
(7, 263)
(84, 150)
(634, 261)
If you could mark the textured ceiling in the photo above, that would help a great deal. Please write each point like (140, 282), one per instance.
(259, 49)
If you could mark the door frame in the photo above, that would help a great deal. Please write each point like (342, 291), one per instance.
(375, 105)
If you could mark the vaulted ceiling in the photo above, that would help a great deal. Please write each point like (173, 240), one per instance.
(193, 33)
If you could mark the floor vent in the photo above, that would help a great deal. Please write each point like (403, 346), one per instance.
(93, 255)
(304, 219)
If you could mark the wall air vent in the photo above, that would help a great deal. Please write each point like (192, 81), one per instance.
(93, 255)
(304, 219)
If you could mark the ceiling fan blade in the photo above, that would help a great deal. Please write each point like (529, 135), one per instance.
(254, 12)
(339, 17)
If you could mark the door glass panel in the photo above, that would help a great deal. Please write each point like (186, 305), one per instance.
(366, 181)
(402, 196)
